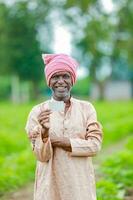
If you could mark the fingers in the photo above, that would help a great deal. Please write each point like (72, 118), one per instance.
(45, 113)
(33, 135)
(44, 121)
(43, 117)
(45, 134)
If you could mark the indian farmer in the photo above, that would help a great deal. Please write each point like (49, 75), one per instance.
(64, 136)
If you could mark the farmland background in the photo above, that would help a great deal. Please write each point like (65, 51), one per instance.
(99, 36)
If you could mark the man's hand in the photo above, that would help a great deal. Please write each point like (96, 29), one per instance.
(62, 142)
(43, 119)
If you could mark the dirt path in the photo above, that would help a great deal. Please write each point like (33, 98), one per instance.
(26, 193)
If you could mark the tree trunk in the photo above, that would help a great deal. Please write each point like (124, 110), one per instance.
(15, 89)
(101, 86)
(35, 90)
(25, 91)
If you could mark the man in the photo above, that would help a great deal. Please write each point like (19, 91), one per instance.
(65, 141)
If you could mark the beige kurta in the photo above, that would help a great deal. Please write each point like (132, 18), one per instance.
(63, 175)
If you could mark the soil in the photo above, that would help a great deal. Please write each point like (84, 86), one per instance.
(25, 193)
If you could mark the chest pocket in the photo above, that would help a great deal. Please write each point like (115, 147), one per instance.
(77, 126)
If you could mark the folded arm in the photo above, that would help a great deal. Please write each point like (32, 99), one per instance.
(91, 144)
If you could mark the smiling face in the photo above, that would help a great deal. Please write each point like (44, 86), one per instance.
(61, 84)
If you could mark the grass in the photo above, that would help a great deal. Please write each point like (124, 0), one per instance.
(15, 151)
(16, 170)
(116, 118)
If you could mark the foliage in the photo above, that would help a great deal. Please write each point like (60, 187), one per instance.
(83, 5)
(24, 58)
(16, 170)
(4, 38)
(116, 118)
(102, 40)
(124, 42)
(82, 87)
(15, 153)
(106, 190)
(117, 174)
(20, 52)
(4, 87)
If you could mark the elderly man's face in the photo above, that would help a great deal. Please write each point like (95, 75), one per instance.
(61, 84)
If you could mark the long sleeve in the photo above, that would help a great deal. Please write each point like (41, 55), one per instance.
(91, 145)
(41, 148)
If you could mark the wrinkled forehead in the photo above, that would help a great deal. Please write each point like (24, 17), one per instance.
(61, 73)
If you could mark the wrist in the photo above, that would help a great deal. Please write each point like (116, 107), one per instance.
(66, 141)
(44, 132)
(66, 145)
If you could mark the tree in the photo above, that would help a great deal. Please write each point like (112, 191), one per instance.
(123, 41)
(24, 56)
(101, 38)
(4, 11)
(21, 49)
(92, 31)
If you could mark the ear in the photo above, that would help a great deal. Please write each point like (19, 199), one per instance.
(49, 86)
(49, 83)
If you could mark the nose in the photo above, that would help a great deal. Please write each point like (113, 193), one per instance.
(60, 80)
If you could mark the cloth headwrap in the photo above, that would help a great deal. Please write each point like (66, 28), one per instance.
(59, 62)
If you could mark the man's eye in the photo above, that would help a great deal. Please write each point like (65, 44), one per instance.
(55, 77)
(66, 76)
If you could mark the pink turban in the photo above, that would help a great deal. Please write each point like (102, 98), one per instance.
(59, 62)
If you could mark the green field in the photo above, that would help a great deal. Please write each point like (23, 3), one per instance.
(18, 164)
